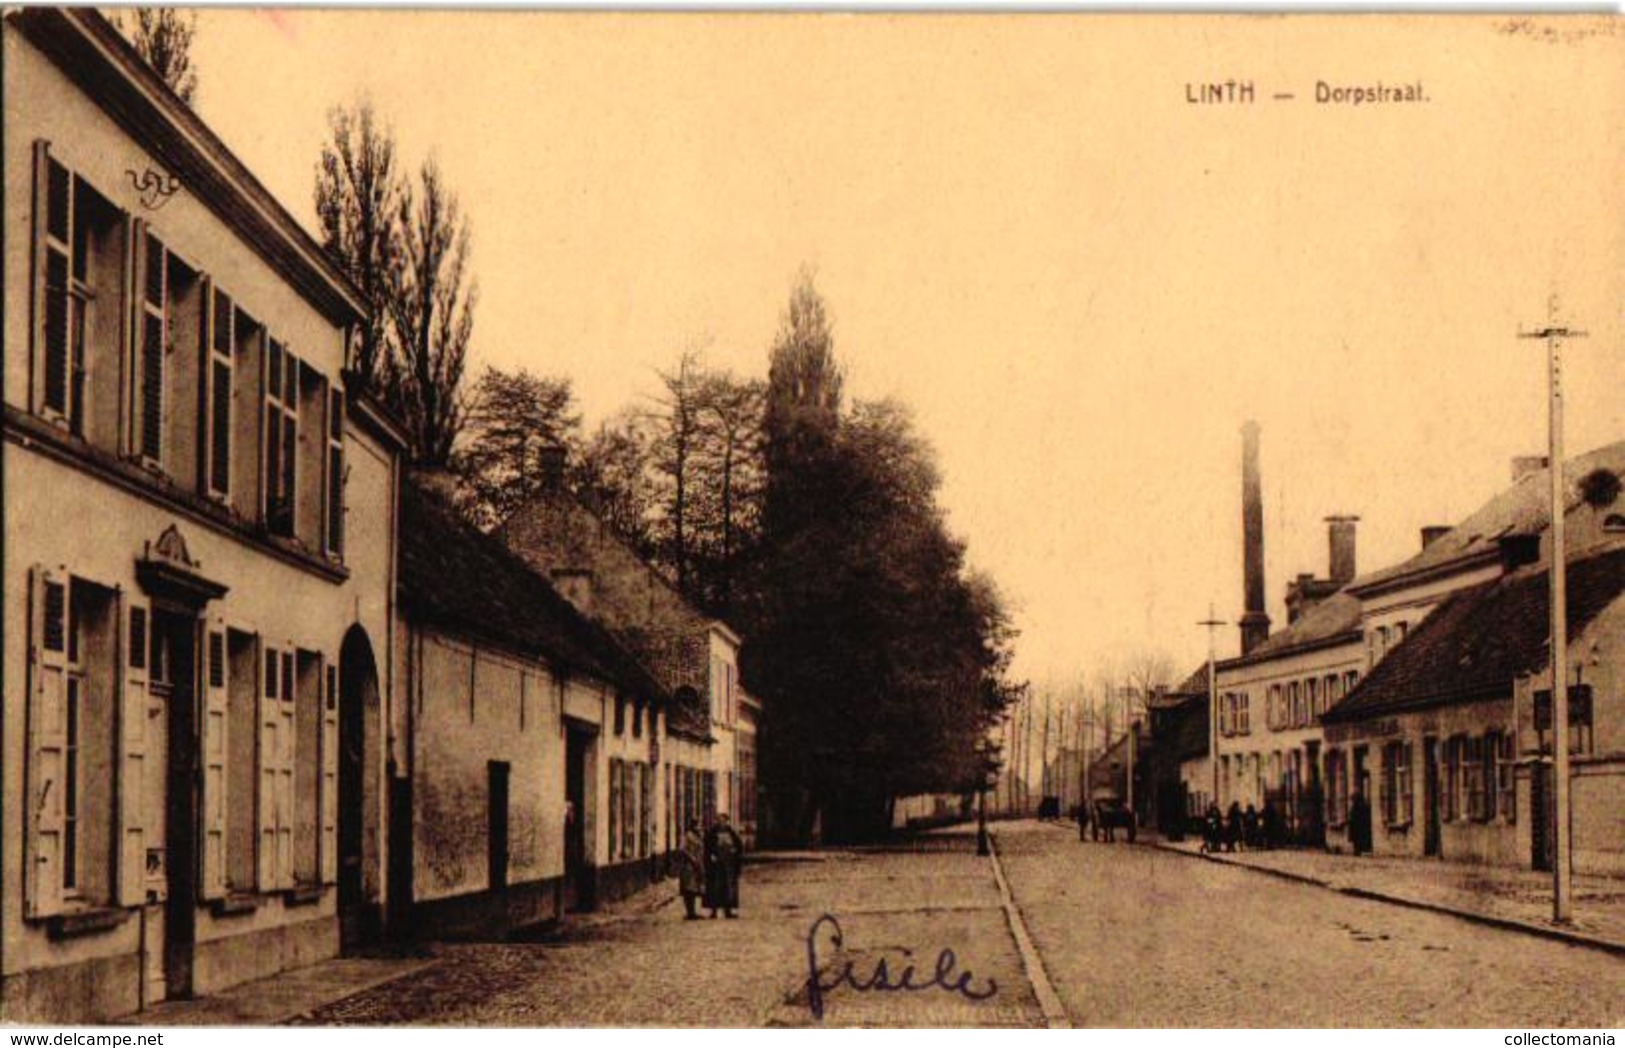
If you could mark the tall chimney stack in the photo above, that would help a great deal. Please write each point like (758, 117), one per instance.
(1340, 533)
(1255, 624)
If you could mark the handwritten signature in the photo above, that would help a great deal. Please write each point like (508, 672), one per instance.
(880, 977)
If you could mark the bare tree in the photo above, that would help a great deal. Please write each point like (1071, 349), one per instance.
(358, 204)
(163, 36)
(432, 314)
(677, 445)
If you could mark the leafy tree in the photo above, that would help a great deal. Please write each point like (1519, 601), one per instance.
(882, 663)
(163, 36)
(432, 316)
(513, 420)
(358, 205)
(612, 472)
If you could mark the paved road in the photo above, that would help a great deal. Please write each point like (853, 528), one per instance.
(646, 966)
(1135, 936)
(1129, 936)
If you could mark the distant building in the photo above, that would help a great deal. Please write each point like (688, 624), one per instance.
(692, 655)
(199, 536)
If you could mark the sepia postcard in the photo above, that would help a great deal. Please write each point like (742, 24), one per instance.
(812, 519)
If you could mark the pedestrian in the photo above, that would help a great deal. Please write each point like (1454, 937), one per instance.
(691, 870)
(1081, 813)
(1274, 825)
(1249, 828)
(1360, 823)
(724, 854)
(1212, 829)
(1232, 826)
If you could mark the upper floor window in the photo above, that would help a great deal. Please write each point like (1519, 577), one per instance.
(136, 352)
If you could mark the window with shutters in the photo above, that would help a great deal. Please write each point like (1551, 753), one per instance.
(1450, 786)
(281, 438)
(335, 474)
(311, 450)
(71, 762)
(1396, 783)
(275, 796)
(1506, 777)
(80, 238)
(1475, 798)
(645, 811)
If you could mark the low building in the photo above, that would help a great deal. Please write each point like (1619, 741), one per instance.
(534, 741)
(1505, 539)
(199, 534)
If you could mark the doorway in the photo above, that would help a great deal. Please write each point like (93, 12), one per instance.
(357, 779)
(173, 671)
(496, 823)
(1541, 842)
(1430, 795)
(578, 869)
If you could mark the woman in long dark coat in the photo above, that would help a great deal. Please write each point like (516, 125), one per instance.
(724, 855)
(691, 869)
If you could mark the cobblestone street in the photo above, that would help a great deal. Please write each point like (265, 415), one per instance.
(1139, 936)
(641, 964)
(1129, 936)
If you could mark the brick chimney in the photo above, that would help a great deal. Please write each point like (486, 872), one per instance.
(1433, 533)
(1340, 535)
(1255, 623)
(551, 461)
(575, 585)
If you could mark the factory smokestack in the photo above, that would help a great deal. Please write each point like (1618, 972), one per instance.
(1255, 624)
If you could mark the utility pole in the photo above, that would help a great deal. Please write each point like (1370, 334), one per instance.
(1212, 623)
(1553, 335)
(1128, 744)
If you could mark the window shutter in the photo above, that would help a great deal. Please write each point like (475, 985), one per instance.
(47, 742)
(218, 345)
(270, 757)
(132, 735)
(50, 281)
(328, 839)
(215, 755)
(286, 727)
(150, 315)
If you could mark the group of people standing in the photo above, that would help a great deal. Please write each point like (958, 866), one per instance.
(708, 868)
(1247, 828)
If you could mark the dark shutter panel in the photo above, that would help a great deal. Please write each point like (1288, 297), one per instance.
(335, 416)
(290, 451)
(56, 331)
(56, 610)
(220, 443)
(217, 659)
(152, 384)
(287, 676)
(56, 209)
(335, 500)
(138, 638)
(273, 372)
(155, 272)
(272, 665)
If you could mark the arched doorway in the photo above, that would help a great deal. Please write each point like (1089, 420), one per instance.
(358, 837)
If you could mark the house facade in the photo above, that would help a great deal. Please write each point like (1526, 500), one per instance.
(199, 527)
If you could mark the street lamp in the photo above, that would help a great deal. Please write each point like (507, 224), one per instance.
(1212, 623)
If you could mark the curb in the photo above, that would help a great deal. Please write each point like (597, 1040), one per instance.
(1049, 1002)
(363, 987)
(1513, 924)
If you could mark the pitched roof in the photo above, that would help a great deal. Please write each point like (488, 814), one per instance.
(1335, 619)
(1522, 509)
(1475, 643)
(455, 578)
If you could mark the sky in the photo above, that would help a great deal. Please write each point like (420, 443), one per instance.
(1081, 282)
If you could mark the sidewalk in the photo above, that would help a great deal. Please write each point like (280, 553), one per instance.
(1509, 898)
(280, 998)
